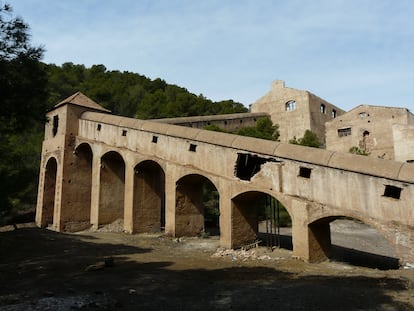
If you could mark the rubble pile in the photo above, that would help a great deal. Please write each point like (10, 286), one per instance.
(243, 255)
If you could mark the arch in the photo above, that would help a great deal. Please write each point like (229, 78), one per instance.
(49, 190)
(112, 188)
(350, 239)
(257, 215)
(197, 209)
(80, 189)
(149, 197)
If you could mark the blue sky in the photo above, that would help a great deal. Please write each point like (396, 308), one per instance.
(349, 52)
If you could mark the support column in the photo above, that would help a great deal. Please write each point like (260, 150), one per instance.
(96, 177)
(169, 203)
(225, 216)
(129, 199)
(311, 242)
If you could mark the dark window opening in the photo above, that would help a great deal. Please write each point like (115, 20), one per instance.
(392, 192)
(305, 172)
(55, 125)
(99, 127)
(333, 113)
(124, 132)
(154, 139)
(248, 165)
(225, 122)
(241, 121)
(192, 148)
(410, 161)
(290, 105)
(323, 108)
(345, 132)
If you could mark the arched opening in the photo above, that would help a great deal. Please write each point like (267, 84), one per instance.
(49, 190)
(149, 197)
(197, 207)
(78, 208)
(261, 218)
(350, 240)
(112, 188)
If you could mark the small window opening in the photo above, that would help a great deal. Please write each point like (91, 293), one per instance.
(55, 125)
(362, 115)
(124, 132)
(99, 127)
(392, 192)
(154, 139)
(225, 122)
(290, 105)
(323, 108)
(333, 113)
(344, 132)
(192, 148)
(410, 161)
(305, 172)
(241, 121)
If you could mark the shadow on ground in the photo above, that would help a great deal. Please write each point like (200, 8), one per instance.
(338, 253)
(40, 269)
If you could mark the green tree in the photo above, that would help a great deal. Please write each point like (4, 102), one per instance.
(264, 129)
(23, 83)
(309, 139)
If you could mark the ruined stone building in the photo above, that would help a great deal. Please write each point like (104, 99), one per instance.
(98, 168)
(296, 111)
(228, 122)
(382, 132)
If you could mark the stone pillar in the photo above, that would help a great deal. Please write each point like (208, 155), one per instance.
(129, 199)
(96, 176)
(225, 216)
(311, 242)
(40, 190)
(169, 202)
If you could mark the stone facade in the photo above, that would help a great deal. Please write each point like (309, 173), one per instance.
(296, 111)
(381, 132)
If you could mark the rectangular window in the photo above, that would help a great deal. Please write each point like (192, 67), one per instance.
(99, 127)
(344, 132)
(392, 192)
(305, 172)
(55, 125)
(154, 139)
(124, 132)
(192, 148)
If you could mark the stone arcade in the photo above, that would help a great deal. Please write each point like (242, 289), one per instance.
(97, 167)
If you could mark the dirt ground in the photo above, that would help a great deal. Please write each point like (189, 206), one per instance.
(45, 270)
